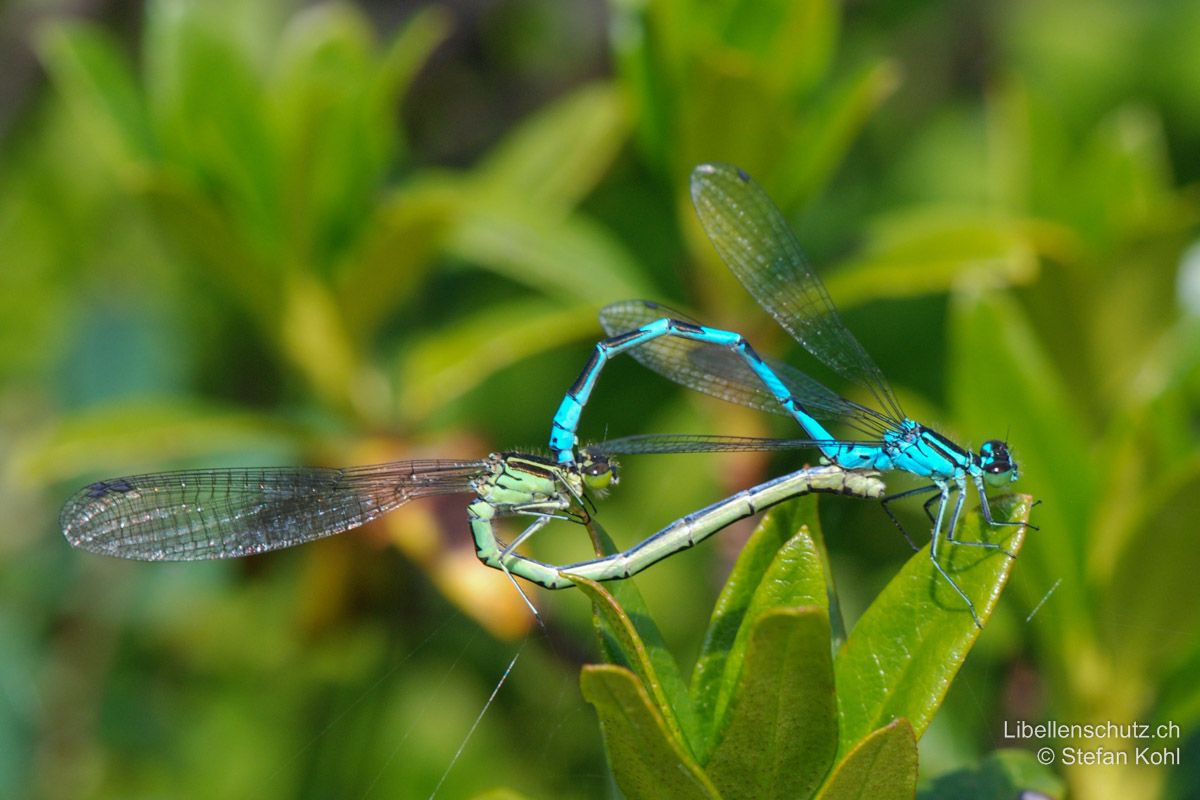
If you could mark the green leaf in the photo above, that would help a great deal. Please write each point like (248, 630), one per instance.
(334, 104)
(780, 566)
(725, 640)
(227, 260)
(91, 73)
(646, 755)
(557, 156)
(795, 578)
(401, 241)
(446, 364)
(1003, 379)
(633, 608)
(647, 50)
(906, 649)
(829, 129)
(315, 339)
(143, 436)
(214, 131)
(1002, 775)
(504, 793)
(653, 664)
(402, 60)
(779, 735)
(333, 155)
(880, 767)
(1149, 629)
(930, 251)
(792, 42)
(573, 257)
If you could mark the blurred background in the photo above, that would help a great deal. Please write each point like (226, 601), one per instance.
(278, 233)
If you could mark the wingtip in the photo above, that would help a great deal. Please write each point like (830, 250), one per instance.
(705, 174)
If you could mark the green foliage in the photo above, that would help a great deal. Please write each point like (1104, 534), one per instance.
(773, 710)
(272, 178)
(253, 234)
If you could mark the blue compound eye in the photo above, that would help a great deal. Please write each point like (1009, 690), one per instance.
(996, 463)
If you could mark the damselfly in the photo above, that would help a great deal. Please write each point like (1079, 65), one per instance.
(753, 238)
(227, 513)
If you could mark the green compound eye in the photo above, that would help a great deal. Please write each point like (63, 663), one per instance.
(599, 472)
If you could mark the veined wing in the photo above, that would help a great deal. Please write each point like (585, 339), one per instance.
(757, 244)
(227, 513)
(720, 372)
(655, 443)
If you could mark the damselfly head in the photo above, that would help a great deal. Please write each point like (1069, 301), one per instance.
(599, 472)
(997, 464)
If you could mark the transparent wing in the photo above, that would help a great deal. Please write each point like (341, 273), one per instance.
(756, 242)
(720, 372)
(692, 443)
(227, 513)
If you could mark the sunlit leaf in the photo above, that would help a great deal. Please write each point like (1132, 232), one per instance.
(317, 342)
(443, 366)
(148, 436)
(906, 649)
(725, 634)
(922, 252)
(794, 578)
(94, 77)
(571, 258)
(557, 156)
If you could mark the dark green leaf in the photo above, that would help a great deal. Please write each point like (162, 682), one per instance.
(646, 755)
(882, 766)
(779, 734)
(1002, 775)
(664, 685)
(781, 525)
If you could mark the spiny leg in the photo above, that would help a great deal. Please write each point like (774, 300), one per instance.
(928, 503)
(933, 487)
(987, 511)
(507, 551)
(935, 540)
(987, 515)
